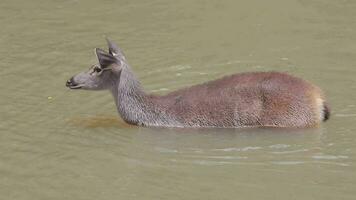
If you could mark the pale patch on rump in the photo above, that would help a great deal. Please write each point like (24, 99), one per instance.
(321, 108)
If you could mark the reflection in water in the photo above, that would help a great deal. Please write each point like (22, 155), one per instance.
(233, 146)
(99, 122)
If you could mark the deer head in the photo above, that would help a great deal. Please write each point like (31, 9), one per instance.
(102, 75)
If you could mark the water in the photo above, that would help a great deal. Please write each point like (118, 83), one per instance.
(61, 144)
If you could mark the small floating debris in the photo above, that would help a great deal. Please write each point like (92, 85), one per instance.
(49, 98)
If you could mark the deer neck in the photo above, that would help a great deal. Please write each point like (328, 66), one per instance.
(130, 99)
(136, 107)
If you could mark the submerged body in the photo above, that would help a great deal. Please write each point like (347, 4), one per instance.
(256, 99)
(248, 99)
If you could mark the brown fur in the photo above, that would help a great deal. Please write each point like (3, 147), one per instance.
(247, 99)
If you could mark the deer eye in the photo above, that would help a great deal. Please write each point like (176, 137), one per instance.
(97, 69)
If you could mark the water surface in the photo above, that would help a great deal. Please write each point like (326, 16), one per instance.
(61, 144)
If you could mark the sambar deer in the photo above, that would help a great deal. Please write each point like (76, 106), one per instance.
(255, 99)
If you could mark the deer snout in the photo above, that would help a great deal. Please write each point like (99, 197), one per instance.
(71, 84)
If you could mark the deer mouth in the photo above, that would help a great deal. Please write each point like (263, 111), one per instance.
(75, 87)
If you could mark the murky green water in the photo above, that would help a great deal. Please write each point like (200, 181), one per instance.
(61, 144)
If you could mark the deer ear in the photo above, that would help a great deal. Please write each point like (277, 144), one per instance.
(114, 50)
(105, 59)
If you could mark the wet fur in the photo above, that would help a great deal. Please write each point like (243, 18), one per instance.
(248, 99)
(255, 99)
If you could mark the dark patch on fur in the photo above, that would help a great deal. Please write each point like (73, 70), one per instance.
(326, 111)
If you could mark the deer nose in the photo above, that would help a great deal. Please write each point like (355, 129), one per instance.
(69, 82)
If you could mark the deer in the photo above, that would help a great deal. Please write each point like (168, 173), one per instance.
(241, 100)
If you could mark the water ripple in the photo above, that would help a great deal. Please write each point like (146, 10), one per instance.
(252, 148)
(329, 157)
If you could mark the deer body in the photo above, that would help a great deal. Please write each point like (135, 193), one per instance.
(256, 99)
